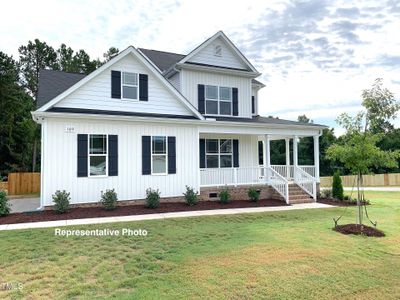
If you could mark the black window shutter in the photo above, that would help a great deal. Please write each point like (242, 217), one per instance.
(171, 155)
(146, 155)
(82, 155)
(143, 87)
(113, 155)
(116, 84)
(253, 105)
(235, 101)
(260, 153)
(236, 153)
(201, 95)
(202, 153)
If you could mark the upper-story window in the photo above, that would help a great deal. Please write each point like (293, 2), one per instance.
(218, 100)
(130, 88)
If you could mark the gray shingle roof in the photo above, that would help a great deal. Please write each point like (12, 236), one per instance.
(266, 120)
(53, 83)
(163, 60)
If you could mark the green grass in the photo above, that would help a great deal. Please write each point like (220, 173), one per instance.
(280, 255)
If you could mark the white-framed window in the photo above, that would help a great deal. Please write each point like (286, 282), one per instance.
(219, 153)
(218, 100)
(98, 148)
(130, 86)
(159, 155)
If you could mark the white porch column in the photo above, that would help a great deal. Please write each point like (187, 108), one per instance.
(267, 156)
(287, 141)
(316, 156)
(295, 154)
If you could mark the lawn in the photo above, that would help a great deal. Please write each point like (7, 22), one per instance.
(279, 255)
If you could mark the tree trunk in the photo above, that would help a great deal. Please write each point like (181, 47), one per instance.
(359, 183)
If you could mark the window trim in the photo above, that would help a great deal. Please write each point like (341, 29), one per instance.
(98, 155)
(218, 100)
(219, 153)
(158, 154)
(129, 85)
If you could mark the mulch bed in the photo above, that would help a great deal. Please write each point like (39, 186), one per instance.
(336, 202)
(94, 212)
(359, 230)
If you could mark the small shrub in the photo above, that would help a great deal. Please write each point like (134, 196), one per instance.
(152, 198)
(337, 187)
(253, 194)
(346, 198)
(109, 199)
(61, 201)
(190, 196)
(326, 193)
(224, 196)
(4, 204)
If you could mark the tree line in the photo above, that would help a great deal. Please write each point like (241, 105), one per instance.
(20, 135)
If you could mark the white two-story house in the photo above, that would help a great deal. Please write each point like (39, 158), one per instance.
(163, 120)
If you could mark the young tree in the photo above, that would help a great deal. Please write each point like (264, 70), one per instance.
(359, 151)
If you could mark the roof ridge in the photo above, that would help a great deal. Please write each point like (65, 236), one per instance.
(168, 52)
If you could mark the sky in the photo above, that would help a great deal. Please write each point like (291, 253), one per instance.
(315, 56)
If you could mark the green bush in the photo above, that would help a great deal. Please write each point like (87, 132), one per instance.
(4, 204)
(190, 196)
(61, 201)
(326, 193)
(109, 199)
(337, 187)
(253, 194)
(152, 198)
(224, 196)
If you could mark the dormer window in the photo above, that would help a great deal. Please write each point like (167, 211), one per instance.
(218, 50)
(130, 87)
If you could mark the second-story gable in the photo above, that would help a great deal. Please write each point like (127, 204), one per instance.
(218, 53)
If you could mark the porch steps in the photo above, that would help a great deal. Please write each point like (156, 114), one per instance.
(296, 195)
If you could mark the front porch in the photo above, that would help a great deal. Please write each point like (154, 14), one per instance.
(287, 180)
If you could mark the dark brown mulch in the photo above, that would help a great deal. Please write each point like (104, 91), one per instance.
(336, 202)
(359, 229)
(94, 212)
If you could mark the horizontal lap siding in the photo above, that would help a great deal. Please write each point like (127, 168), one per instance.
(227, 59)
(192, 78)
(96, 94)
(61, 157)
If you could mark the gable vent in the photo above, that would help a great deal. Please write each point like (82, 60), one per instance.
(218, 50)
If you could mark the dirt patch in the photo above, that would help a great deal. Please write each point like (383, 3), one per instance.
(359, 230)
(95, 212)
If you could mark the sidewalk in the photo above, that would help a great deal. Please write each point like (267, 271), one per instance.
(230, 211)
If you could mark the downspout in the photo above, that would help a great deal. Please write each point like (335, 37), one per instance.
(41, 120)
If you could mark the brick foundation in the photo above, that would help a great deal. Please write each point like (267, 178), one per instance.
(238, 192)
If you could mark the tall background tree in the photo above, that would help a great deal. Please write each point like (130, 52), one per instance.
(16, 126)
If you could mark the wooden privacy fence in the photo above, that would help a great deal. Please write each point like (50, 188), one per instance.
(22, 183)
(369, 180)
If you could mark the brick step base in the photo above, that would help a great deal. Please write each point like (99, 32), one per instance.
(296, 195)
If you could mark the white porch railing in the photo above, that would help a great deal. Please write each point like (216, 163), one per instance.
(307, 182)
(288, 171)
(245, 176)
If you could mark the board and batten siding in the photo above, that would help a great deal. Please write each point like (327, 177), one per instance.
(248, 147)
(191, 79)
(60, 155)
(96, 94)
(227, 59)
